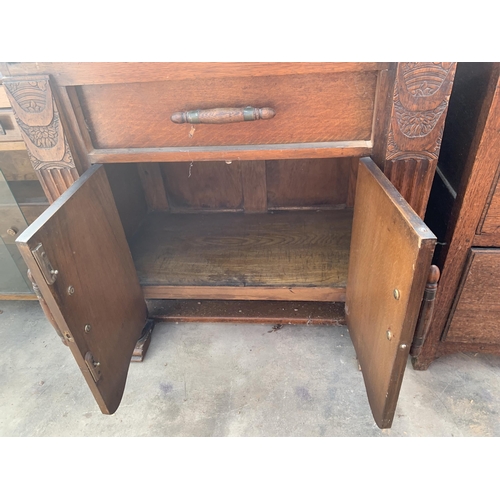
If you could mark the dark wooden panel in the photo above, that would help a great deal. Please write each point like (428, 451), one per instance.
(284, 249)
(391, 249)
(203, 186)
(128, 195)
(83, 239)
(309, 108)
(253, 178)
(152, 184)
(94, 73)
(475, 316)
(241, 311)
(308, 182)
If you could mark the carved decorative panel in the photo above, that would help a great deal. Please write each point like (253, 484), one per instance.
(40, 124)
(420, 100)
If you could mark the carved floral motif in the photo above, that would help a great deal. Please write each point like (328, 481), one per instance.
(44, 136)
(418, 123)
(38, 118)
(65, 163)
(421, 95)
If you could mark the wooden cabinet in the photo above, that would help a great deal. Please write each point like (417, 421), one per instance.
(464, 213)
(291, 208)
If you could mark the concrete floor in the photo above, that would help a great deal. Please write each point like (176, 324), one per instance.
(233, 380)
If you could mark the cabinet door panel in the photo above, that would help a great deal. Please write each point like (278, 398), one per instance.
(96, 299)
(391, 251)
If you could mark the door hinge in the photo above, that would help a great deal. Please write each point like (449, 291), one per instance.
(94, 366)
(48, 272)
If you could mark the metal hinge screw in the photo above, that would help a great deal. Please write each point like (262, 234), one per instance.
(396, 294)
(12, 231)
(71, 290)
(88, 328)
(389, 335)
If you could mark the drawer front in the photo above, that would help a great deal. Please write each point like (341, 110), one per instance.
(476, 313)
(309, 108)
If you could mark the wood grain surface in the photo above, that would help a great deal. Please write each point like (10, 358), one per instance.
(231, 292)
(478, 175)
(309, 108)
(475, 316)
(339, 149)
(308, 182)
(203, 186)
(71, 73)
(153, 187)
(283, 249)
(254, 184)
(491, 224)
(242, 311)
(83, 238)
(391, 249)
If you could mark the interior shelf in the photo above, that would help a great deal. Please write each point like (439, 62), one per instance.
(174, 254)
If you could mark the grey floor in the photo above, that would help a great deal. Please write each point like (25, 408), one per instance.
(233, 380)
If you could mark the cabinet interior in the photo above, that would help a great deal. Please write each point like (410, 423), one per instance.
(268, 230)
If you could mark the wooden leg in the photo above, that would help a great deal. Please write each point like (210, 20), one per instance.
(425, 319)
(143, 343)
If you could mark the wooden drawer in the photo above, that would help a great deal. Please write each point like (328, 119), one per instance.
(475, 317)
(310, 108)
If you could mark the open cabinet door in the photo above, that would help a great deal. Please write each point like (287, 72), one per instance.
(79, 257)
(391, 252)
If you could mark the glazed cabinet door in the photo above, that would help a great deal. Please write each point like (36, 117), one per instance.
(79, 257)
(391, 252)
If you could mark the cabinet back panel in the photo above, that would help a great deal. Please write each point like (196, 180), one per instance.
(256, 186)
(307, 183)
(203, 186)
(309, 108)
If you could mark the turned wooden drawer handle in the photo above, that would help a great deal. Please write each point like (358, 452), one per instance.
(223, 115)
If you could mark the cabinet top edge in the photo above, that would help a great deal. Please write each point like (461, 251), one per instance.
(94, 73)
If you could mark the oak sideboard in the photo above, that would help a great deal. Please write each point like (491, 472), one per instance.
(262, 183)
